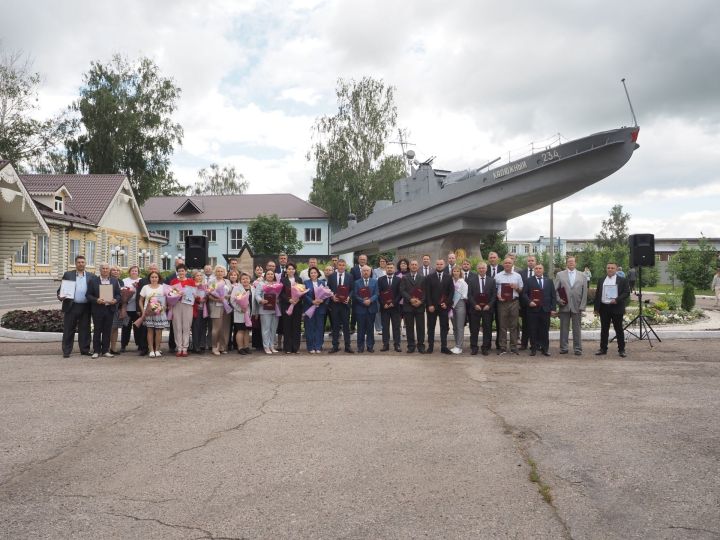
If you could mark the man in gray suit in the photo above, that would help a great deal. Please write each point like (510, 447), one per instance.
(572, 290)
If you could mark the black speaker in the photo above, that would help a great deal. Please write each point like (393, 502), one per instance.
(196, 251)
(642, 249)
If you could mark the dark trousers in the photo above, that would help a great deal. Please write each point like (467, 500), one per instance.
(340, 319)
(365, 330)
(539, 326)
(130, 327)
(606, 316)
(257, 341)
(432, 318)
(77, 317)
(171, 339)
(390, 318)
(141, 338)
(102, 318)
(525, 327)
(197, 333)
(291, 329)
(478, 320)
(496, 318)
(415, 322)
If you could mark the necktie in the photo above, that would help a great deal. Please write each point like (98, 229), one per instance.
(529, 273)
(341, 279)
(466, 275)
(439, 276)
(366, 282)
(413, 276)
(540, 283)
(390, 281)
(482, 284)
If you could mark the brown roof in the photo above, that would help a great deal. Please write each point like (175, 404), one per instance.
(91, 193)
(230, 207)
(70, 214)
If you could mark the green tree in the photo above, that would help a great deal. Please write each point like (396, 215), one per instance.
(24, 140)
(694, 266)
(494, 242)
(352, 171)
(217, 181)
(614, 230)
(125, 125)
(270, 235)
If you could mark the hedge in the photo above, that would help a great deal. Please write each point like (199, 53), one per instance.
(41, 320)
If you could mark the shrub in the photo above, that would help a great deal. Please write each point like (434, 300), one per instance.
(591, 296)
(673, 301)
(41, 320)
(662, 305)
(688, 297)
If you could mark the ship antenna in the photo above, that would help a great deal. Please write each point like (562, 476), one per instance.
(632, 111)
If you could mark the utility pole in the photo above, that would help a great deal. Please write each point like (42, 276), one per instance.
(551, 263)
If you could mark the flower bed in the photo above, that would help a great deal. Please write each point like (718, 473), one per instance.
(41, 320)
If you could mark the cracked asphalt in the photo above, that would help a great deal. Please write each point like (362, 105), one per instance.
(371, 446)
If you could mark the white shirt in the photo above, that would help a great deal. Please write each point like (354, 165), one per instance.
(608, 281)
(511, 277)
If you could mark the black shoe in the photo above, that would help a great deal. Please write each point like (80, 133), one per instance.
(622, 354)
(142, 352)
(66, 355)
(474, 351)
(371, 350)
(385, 348)
(578, 353)
(445, 350)
(397, 348)
(86, 353)
(546, 353)
(333, 350)
(349, 351)
(410, 350)
(514, 351)
(429, 350)
(485, 352)
(563, 352)
(600, 353)
(533, 352)
(360, 350)
(122, 350)
(421, 349)
(241, 351)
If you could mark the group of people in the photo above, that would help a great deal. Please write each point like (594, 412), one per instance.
(218, 309)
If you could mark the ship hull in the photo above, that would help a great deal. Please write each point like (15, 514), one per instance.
(485, 201)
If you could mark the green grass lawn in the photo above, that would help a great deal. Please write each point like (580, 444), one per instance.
(669, 289)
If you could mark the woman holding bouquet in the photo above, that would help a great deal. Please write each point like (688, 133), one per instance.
(153, 306)
(131, 283)
(291, 295)
(257, 342)
(120, 318)
(234, 279)
(315, 319)
(182, 311)
(459, 308)
(266, 294)
(218, 288)
(198, 312)
(241, 301)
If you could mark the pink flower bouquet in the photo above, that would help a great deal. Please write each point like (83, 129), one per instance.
(219, 292)
(273, 289)
(321, 293)
(296, 292)
(242, 299)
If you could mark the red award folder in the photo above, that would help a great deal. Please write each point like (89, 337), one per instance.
(364, 292)
(444, 300)
(342, 292)
(506, 292)
(271, 301)
(418, 293)
(536, 295)
(482, 299)
(386, 297)
(562, 293)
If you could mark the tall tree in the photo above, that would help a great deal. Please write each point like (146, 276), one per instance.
(125, 125)
(494, 242)
(23, 139)
(614, 230)
(269, 235)
(352, 171)
(216, 181)
(694, 266)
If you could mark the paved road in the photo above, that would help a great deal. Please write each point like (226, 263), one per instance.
(394, 446)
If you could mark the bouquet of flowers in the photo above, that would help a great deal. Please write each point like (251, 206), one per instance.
(220, 293)
(242, 299)
(126, 293)
(152, 307)
(296, 292)
(273, 288)
(321, 293)
(155, 307)
(173, 294)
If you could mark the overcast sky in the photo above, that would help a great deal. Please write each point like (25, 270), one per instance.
(474, 79)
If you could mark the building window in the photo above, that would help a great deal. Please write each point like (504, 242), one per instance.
(74, 251)
(184, 233)
(236, 239)
(210, 234)
(59, 207)
(313, 235)
(21, 255)
(212, 261)
(163, 232)
(118, 256)
(43, 250)
(166, 263)
(90, 252)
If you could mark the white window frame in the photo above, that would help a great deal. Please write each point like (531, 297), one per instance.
(164, 233)
(59, 207)
(212, 261)
(90, 257)
(71, 252)
(236, 243)
(184, 233)
(22, 255)
(211, 235)
(42, 250)
(313, 235)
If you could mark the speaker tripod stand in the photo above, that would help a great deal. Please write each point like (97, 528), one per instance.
(644, 330)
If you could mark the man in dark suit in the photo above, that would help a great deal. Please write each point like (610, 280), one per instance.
(340, 307)
(356, 273)
(412, 290)
(495, 268)
(142, 330)
(103, 310)
(439, 290)
(541, 301)
(526, 274)
(611, 295)
(390, 311)
(365, 305)
(481, 306)
(76, 310)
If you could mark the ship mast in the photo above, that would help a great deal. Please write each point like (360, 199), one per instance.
(632, 111)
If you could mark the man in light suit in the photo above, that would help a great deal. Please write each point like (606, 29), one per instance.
(76, 310)
(539, 311)
(572, 284)
(365, 304)
(414, 307)
(612, 293)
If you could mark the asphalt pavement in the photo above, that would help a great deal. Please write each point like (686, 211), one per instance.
(361, 446)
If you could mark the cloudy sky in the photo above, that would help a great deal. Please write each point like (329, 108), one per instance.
(474, 79)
